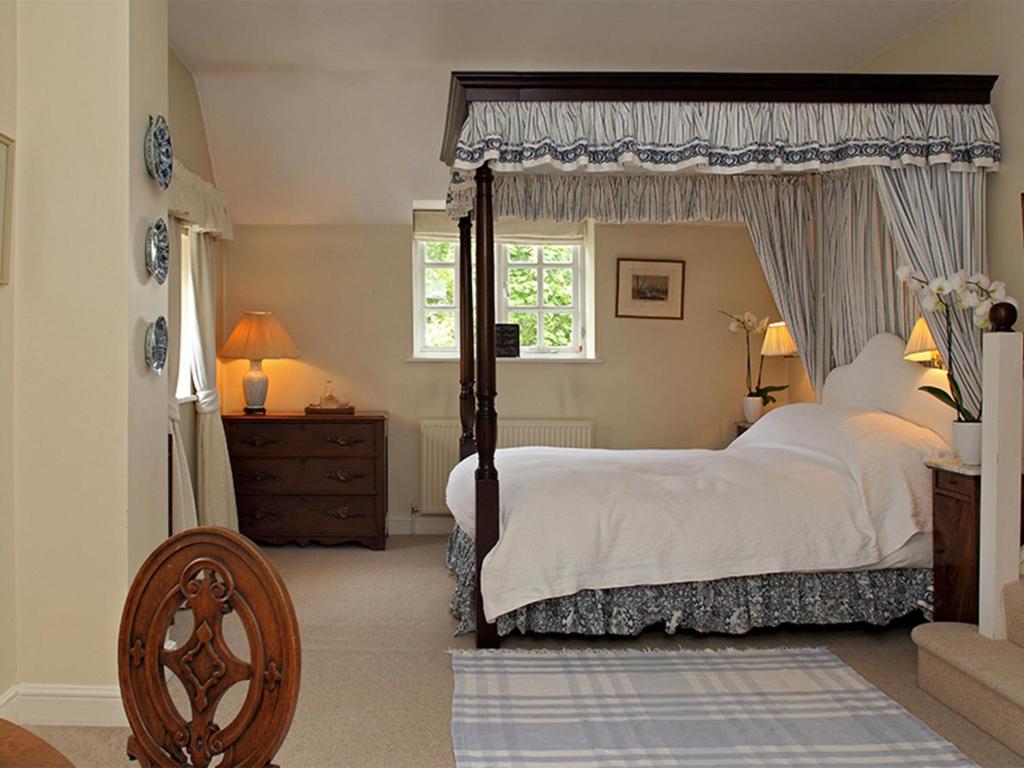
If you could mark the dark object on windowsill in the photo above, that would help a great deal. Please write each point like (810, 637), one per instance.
(1002, 316)
(506, 338)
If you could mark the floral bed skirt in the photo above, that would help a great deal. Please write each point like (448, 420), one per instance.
(734, 605)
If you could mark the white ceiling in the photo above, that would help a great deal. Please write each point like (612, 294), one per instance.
(331, 112)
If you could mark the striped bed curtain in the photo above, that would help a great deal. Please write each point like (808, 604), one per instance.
(862, 295)
(937, 221)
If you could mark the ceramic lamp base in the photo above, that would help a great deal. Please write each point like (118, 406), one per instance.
(255, 384)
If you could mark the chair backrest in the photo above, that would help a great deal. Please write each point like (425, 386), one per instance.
(212, 572)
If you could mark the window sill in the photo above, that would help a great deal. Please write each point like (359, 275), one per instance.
(515, 360)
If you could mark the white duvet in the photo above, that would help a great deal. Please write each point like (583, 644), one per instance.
(805, 489)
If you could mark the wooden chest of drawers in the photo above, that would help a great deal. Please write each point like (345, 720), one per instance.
(310, 478)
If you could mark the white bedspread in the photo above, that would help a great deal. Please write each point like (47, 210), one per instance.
(805, 489)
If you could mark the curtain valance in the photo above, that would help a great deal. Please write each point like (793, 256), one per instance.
(723, 137)
(198, 203)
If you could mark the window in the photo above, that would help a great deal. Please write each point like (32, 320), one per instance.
(540, 287)
(188, 323)
(541, 294)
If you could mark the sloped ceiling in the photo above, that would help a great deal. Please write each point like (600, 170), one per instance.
(331, 112)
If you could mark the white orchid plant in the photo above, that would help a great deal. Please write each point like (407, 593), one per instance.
(976, 294)
(751, 326)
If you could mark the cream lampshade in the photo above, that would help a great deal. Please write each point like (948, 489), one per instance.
(778, 342)
(921, 348)
(258, 336)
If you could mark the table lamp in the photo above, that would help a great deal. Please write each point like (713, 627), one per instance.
(778, 342)
(258, 336)
(921, 348)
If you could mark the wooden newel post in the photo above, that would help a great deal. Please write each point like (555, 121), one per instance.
(467, 397)
(486, 415)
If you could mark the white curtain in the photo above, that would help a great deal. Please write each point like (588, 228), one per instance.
(214, 487)
(937, 221)
(183, 502)
(862, 295)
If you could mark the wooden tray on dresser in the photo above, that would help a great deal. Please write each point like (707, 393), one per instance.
(302, 478)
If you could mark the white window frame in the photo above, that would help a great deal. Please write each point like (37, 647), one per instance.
(581, 309)
(420, 265)
(504, 311)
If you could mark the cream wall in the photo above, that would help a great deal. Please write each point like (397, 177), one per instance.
(345, 295)
(89, 427)
(8, 127)
(984, 38)
(185, 116)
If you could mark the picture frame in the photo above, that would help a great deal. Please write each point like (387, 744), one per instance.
(650, 289)
(6, 205)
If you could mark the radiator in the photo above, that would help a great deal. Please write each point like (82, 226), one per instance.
(439, 449)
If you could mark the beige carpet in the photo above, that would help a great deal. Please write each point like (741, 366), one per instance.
(376, 683)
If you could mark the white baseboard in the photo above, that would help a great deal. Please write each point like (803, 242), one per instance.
(421, 525)
(54, 704)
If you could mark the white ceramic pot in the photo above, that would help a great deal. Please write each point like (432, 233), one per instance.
(753, 407)
(967, 441)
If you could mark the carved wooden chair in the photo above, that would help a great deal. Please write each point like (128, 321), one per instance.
(212, 572)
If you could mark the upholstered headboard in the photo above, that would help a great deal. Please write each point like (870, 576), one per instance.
(881, 379)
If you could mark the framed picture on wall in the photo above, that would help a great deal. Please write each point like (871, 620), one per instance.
(650, 289)
(6, 198)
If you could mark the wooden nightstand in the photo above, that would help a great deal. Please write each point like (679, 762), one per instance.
(956, 493)
(310, 478)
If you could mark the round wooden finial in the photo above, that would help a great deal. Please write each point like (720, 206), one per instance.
(1002, 316)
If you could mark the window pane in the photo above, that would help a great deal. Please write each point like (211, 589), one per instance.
(522, 254)
(558, 329)
(522, 287)
(527, 322)
(440, 329)
(439, 286)
(557, 287)
(439, 252)
(557, 254)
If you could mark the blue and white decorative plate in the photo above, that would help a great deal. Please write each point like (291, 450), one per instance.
(156, 345)
(158, 250)
(159, 153)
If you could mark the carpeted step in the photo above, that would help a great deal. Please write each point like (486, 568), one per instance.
(1013, 604)
(981, 679)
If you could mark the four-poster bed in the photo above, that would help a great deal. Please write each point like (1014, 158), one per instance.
(664, 147)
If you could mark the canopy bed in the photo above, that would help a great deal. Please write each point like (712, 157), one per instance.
(826, 171)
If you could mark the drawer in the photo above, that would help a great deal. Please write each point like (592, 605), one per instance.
(962, 485)
(252, 438)
(290, 475)
(308, 516)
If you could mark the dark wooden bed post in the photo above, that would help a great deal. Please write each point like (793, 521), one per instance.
(467, 397)
(486, 415)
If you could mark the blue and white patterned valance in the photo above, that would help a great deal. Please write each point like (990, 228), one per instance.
(724, 137)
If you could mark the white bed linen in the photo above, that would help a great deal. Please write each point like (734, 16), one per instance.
(805, 489)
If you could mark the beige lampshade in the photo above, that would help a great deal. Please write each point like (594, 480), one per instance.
(259, 336)
(921, 348)
(777, 341)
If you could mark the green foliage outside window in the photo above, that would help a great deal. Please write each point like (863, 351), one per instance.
(440, 252)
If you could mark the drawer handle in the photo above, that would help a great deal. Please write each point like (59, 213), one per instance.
(260, 512)
(344, 442)
(341, 476)
(259, 442)
(342, 513)
(257, 475)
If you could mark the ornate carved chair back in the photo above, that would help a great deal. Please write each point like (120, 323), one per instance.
(212, 572)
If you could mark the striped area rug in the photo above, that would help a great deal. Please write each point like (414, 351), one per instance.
(629, 709)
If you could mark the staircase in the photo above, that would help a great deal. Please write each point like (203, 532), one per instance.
(981, 679)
